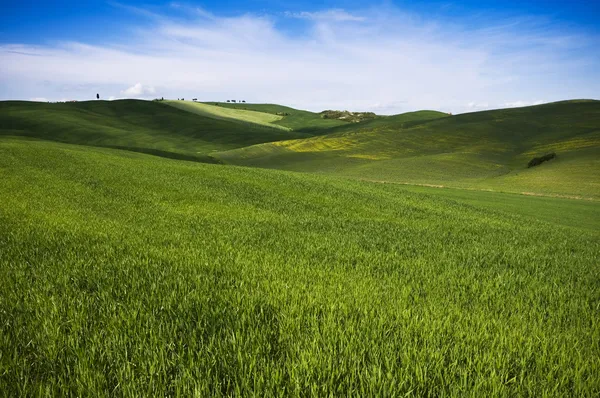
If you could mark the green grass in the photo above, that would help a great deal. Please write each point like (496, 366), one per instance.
(562, 211)
(141, 126)
(224, 113)
(485, 150)
(297, 120)
(125, 274)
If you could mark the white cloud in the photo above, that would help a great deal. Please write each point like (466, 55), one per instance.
(138, 90)
(39, 99)
(384, 61)
(196, 11)
(518, 104)
(336, 15)
(476, 106)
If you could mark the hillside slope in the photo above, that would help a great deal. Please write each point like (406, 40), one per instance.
(484, 150)
(294, 119)
(135, 125)
(230, 114)
(133, 275)
(399, 121)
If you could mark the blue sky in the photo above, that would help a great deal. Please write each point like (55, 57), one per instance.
(388, 56)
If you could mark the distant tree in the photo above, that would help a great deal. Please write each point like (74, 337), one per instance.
(228, 101)
(97, 96)
(232, 100)
(537, 161)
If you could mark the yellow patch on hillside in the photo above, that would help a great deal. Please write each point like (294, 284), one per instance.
(569, 145)
(319, 144)
(370, 156)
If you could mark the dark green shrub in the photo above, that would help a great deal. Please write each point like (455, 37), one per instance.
(537, 161)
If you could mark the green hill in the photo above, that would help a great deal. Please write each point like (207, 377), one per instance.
(230, 114)
(485, 150)
(132, 275)
(400, 121)
(144, 126)
(294, 119)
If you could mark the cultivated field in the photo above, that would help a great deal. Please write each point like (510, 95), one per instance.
(127, 274)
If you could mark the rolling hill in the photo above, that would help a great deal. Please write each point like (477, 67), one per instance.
(128, 274)
(230, 114)
(142, 126)
(294, 119)
(483, 150)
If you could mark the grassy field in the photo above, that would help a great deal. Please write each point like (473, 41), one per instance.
(230, 114)
(485, 150)
(135, 125)
(583, 214)
(126, 274)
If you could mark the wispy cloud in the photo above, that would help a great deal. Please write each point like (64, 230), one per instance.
(194, 11)
(136, 10)
(517, 104)
(475, 106)
(335, 15)
(381, 60)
